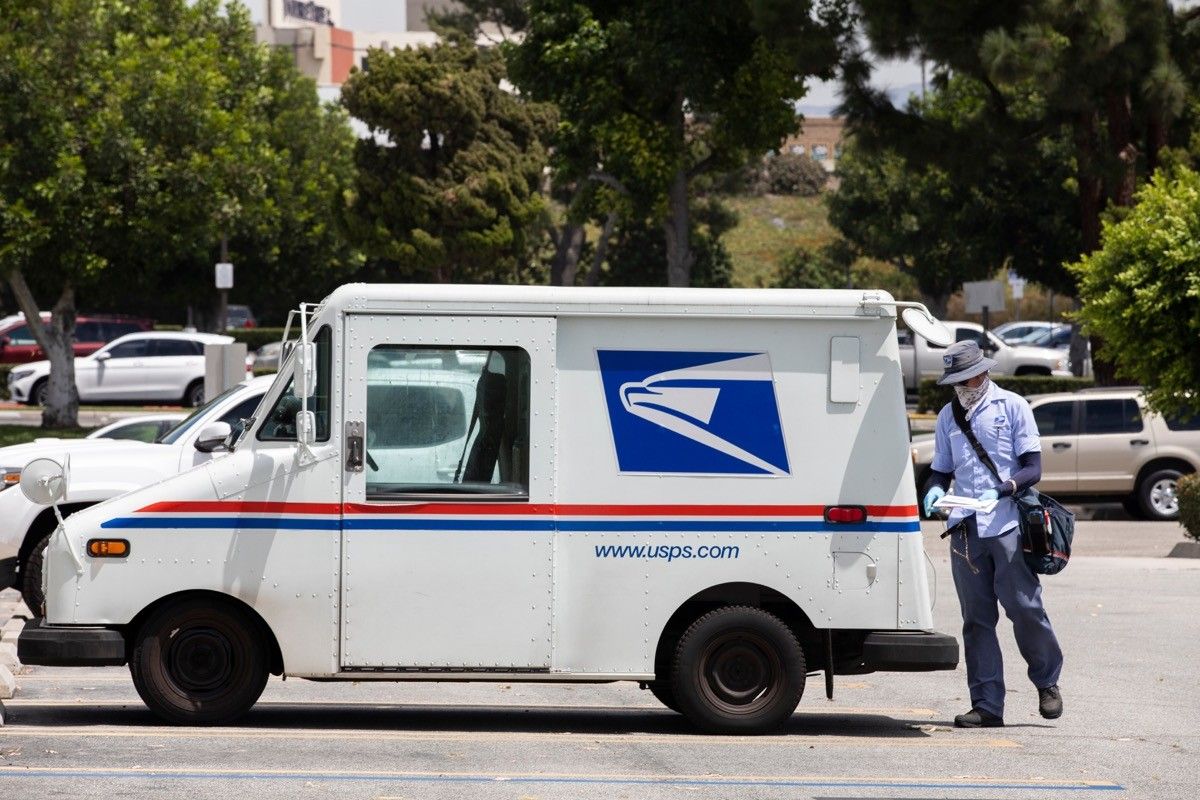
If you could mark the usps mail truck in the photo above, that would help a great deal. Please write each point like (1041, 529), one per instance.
(708, 492)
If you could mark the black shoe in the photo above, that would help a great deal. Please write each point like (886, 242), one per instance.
(977, 718)
(1050, 702)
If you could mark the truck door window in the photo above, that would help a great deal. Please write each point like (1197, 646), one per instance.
(280, 423)
(447, 421)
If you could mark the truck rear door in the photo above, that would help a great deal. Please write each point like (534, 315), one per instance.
(448, 526)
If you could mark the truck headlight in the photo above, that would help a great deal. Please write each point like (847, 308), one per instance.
(19, 374)
(11, 477)
(1058, 364)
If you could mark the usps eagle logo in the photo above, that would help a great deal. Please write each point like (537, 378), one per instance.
(693, 413)
(948, 361)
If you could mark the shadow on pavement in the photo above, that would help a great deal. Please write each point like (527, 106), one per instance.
(467, 719)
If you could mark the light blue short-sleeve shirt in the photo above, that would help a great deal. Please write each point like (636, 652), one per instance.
(1003, 422)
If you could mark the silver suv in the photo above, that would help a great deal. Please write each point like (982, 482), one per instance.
(1103, 444)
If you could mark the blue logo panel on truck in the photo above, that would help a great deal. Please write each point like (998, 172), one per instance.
(693, 413)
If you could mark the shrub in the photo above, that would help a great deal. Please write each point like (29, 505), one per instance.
(4, 370)
(257, 337)
(1188, 492)
(793, 174)
(931, 397)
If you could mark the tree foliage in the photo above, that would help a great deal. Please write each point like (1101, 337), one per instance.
(1141, 291)
(447, 184)
(653, 94)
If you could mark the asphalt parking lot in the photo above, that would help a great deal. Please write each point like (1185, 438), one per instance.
(1125, 614)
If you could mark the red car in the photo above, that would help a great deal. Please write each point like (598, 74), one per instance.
(92, 331)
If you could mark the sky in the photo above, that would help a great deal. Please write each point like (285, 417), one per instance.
(899, 78)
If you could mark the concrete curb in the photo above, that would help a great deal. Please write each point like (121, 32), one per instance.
(13, 613)
(1185, 550)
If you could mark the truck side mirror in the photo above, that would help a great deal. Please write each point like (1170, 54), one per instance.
(213, 436)
(304, 370)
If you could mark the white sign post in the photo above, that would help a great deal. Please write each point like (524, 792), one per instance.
(224, 280)
(1017, 284)
(982, 296)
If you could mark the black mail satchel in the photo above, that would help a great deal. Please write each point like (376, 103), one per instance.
(1046, 527)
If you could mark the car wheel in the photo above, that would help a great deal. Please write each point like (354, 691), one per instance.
(1157, 494)
(194, 396)
(738, 670)
(31, 577)
(37, 395)
(199, 662)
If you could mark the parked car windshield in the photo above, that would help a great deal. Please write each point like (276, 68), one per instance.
(173, 435)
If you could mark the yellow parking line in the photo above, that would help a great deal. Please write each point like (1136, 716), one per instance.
(890, 780)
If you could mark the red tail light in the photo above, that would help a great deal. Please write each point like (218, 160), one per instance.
(843, 515)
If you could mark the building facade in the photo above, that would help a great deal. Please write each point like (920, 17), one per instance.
(820, 138)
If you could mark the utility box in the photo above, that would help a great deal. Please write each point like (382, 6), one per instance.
(224, 367)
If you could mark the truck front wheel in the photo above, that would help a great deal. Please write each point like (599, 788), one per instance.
(199, 662)
(738, 670)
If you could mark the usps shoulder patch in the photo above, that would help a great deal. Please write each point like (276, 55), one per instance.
(693, 413)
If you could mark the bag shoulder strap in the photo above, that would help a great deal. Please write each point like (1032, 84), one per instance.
(960, 416)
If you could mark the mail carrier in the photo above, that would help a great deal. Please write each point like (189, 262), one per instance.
(705, 491)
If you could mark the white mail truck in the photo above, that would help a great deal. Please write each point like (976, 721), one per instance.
(705, 491)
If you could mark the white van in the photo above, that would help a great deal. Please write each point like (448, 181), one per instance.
(706, 491)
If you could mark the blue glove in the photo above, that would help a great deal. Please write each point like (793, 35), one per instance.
(931, 497)
(989, 494)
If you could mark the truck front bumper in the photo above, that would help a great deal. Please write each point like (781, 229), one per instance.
(901, 651)
(51, 646)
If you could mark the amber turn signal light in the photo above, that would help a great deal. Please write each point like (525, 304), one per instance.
(107, 548)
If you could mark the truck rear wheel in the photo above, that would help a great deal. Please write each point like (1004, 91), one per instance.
(31, 577)
(199, 662)
(738, 670)
(663, 692)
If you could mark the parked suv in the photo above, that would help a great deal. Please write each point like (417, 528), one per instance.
(162, 367)
(1103, 444)
(17, 345)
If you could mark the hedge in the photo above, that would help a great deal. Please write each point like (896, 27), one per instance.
(931, 397)
(257, 337)
(4, 370)
(1188, 492)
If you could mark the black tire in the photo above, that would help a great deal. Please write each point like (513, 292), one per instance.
(31, 577)
(663, 693)
(37, 395)
(1156, 494)
(199, 661)
(193, 397)
(738, 670)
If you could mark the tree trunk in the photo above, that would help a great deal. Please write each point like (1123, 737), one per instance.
(593, 276)
(1091, 199)
(677, 227)
(568, 246)
(1120, 141)
(56, 340)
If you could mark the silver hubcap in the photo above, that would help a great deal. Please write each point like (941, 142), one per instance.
(1162, 497)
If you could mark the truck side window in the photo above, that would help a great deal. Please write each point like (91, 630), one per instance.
(447, 421)
(280, 424)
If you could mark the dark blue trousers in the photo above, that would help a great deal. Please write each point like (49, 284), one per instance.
(991, 570)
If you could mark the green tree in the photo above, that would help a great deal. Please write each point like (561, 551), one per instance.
(1141, 291)
(131, 139)
(448, 182)
(654, 94)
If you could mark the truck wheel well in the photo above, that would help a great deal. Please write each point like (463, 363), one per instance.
(274, 654)
(1162, 463)
(44, 524)
(726, 594)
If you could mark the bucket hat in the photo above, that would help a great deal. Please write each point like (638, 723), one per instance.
(963, 360)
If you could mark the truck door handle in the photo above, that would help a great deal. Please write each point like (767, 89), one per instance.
(1139, 442)
(1061, 445)
(355, 449)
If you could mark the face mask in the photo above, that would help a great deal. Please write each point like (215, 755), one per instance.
(970, 397)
